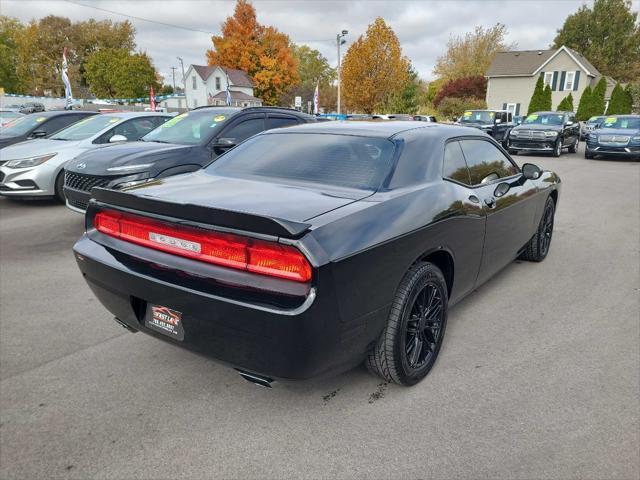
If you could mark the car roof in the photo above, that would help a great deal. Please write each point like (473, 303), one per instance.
(136, 114)
(626, 115)
(378, 129)
(553, 112)
(255, 109)
(55, 113)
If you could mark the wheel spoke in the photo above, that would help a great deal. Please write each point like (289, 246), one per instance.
(416, 351)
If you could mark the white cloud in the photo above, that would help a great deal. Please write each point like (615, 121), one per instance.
(422, 26)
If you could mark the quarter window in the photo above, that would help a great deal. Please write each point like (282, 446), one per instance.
(455, 168)
(486, 162)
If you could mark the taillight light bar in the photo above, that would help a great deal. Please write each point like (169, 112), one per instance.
(224, 249)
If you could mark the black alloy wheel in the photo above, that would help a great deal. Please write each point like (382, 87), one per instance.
(408, 347)
(538, 247)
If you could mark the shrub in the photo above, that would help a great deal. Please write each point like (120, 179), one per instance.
(453, 107)
(536, 102)
(583, 106)
(566, 104)
(468, 87)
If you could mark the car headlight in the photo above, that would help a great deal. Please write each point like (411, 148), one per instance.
(29, 162)
(550, 134)
(131, 180)
(513, 133)
(636, 139)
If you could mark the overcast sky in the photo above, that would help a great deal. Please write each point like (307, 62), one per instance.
(422, 26)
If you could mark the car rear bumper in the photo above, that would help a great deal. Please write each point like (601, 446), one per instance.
(295, 343)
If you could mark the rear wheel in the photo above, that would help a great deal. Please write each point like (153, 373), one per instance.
(538, 247)
(59, 187)
(409, 345)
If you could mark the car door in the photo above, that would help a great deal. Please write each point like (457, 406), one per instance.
(238, 131)
(510, 214)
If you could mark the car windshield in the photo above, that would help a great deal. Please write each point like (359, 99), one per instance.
(595, 120)
(481, 116)
(22, 125)
(86, 128)
(544, 119)
(630, 123)
(190, 128)
(334, 160)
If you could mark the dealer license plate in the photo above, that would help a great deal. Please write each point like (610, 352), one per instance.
(165, 320)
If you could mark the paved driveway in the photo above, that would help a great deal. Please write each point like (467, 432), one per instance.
(538, 376)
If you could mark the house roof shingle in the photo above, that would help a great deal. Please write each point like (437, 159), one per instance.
(526, 62)
(238, 78)
(234, 95)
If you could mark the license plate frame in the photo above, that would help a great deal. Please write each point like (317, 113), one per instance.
(164, 320)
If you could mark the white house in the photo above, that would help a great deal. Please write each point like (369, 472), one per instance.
(207, 85)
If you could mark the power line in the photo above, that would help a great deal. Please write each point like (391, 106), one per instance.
(141, 18)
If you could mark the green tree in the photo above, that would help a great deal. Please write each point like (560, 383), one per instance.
(10, 30)
(166, 90)
(313, 67)
(621, 102)
(629, 99)
(583, 113)
(597, 103)
(546, 103)
(537, 99)
(566, 104)
(452, 107)
(407, 100)
(608, 34)
(116, 73)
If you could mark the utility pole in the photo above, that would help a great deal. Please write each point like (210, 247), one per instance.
(173, 73)
(340, 41)
(184, 82)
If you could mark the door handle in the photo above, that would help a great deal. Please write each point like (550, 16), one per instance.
(490, 202)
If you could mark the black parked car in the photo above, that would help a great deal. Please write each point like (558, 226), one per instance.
(425, 118)
(309, 249)
(546, 132)
(38, 125)
(183, 144)
(32, 107)
(496, 123)
(617, 136)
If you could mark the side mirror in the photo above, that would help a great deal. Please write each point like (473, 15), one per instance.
(531, 171)
(38, 134)
(118, 138)
(225, 143)
(568, 124)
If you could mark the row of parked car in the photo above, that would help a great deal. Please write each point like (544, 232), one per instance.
(67, 153)
(554, 131)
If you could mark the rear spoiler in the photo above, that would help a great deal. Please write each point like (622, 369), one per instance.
(197, 213)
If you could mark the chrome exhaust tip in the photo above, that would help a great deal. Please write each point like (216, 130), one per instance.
(125, 326)
(256, 379)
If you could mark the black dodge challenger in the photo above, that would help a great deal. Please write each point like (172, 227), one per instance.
(309, 250)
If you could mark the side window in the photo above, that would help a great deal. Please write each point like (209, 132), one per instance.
(244, 129)
(454, 165)
(279, 122)
(58, 123)
(136, 128)
(486, 163)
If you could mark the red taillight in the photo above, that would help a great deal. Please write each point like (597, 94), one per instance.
(244, 253)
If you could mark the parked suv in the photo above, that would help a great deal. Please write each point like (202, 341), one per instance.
(617, 136)
(590, 125)
(497, 123)
(183, 144)
(32, 107)
(546, 132)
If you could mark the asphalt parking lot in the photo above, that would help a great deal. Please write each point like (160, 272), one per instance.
(538, 377)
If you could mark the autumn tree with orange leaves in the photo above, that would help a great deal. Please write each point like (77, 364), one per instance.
(374, 69)
(261, 51)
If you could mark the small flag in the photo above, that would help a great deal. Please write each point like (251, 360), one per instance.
(65, 78)
(229, 99)
(152, 99)
(316, 99)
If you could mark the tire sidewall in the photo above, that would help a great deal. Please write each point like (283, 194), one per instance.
(409, 375)
(548, 204)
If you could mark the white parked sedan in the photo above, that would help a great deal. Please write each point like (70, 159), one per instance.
(35, 168)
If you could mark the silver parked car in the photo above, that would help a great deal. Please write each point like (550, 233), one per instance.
(590, 125)
(35, 168)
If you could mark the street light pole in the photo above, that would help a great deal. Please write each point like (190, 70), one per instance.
(184, 82)
(173, 73)
(340, 41)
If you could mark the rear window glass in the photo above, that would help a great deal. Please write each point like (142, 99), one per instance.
(335, 160)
